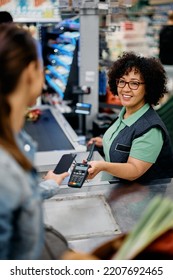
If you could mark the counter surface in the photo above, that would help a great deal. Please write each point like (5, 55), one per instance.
(99, 210)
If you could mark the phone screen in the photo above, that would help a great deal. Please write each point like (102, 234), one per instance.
(64, 163)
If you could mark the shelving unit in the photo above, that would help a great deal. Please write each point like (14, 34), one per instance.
(60, 50)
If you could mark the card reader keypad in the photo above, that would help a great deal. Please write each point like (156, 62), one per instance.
(77, 178)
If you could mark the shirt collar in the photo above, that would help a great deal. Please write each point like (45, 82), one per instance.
(135, 116)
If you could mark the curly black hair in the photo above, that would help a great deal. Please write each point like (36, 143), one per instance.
(150, 69)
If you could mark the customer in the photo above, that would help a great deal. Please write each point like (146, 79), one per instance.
(137, 145)
(166, 41)
(21, 80)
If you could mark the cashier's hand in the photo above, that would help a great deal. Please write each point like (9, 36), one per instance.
(97, 140)
(95, 168)
(58, 178)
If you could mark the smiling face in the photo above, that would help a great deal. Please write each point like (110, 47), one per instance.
(132, 99)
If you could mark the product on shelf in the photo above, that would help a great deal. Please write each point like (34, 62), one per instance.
(62, 59)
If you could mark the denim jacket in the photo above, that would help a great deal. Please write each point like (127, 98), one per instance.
(21, 216)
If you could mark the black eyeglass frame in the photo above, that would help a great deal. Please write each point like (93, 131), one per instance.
(138, 84)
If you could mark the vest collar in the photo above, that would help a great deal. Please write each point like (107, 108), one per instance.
(134, 117)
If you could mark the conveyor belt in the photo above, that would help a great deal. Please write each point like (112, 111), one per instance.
(47, 133)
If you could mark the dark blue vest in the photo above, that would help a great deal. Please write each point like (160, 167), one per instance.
(120, 148)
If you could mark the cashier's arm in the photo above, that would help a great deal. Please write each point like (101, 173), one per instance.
(131, 170)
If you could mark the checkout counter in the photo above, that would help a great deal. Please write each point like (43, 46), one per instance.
(54, 137)
(104, 207)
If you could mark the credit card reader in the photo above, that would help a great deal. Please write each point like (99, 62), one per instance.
(80, 172)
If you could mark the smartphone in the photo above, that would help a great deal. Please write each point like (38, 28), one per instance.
(64, 163)
(78, 175)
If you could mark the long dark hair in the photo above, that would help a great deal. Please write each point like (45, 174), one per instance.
(17, 50)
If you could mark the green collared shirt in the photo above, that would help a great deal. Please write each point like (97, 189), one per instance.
(146, 148)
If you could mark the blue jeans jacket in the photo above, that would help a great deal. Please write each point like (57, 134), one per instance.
(21, 216)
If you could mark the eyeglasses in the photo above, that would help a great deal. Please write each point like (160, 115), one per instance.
(132, 84)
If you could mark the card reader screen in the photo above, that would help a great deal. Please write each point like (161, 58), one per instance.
(82, 168)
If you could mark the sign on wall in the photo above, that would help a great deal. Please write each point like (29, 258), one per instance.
(3, 2)
(38, 2)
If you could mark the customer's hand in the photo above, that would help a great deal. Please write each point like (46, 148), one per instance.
(58, 178)
(97, 140)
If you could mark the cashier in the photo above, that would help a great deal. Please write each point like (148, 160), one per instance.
(137, 145)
